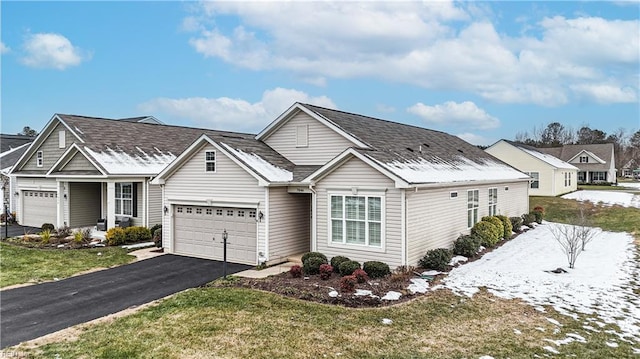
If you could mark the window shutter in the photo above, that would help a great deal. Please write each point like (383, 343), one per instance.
(134, 194)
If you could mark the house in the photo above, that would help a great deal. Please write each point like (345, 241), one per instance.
(596, 162)
(631, 169)
(12, 147)
(550, 176)
(80, 169)
(334, 182)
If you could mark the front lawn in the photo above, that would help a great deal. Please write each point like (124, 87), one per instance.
(20, 265)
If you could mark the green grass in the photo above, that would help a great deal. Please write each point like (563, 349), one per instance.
(26, 265)
(242, 323)
(610, 218)
(595, 187)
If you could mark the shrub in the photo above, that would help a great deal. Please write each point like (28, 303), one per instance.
(63, 232)
(528, 219)
(488, 233)
(45, 236)
(77, 237)
(538, 213)
(157, 237)
(506, 223)
(137, 234)
(516, 223)
(496, 222)
(47, 227)
(86, 234)
(348, 283)
(154, 228)
(325, 271)
(467, 246)
(348, 267)
(337, 260)
(115, 236)
(361, 275)
(312, 265)
(376, 269)
(437, 259)
(296, 271)
(313, 254)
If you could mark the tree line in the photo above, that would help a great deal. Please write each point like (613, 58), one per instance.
(626, 145)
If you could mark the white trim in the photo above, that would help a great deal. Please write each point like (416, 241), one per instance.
(207, 161)
(266, 226)
(211, 203)
(291, 111)
(62, 140)
(590, 154)
(478, 208)
(64, 158)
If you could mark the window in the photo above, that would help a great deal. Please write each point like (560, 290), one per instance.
(570, 178)
(210, 161)
(582, 176)
(535, 179)
(598, 176)
(189, 210)
(39, 159)
(473, 202)
(356, 220)
(252, 214)
(198, 210)
(302, 136)
(179, 210)
(453, 194)
(61, 139)
(124, 199)
(493, 201)
(229, 213)
(584, 159)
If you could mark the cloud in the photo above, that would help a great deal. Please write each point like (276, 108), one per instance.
(229, 114)
(444, 46)
(48, 50)
(4, 48)
(605, 93)
(475, 139)
(451, 113)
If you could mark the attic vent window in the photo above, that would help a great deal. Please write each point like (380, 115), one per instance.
(302, 136)
(425, 145)
(453, 194)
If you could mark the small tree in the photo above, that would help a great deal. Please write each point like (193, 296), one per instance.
(568, 236)
(585, 230)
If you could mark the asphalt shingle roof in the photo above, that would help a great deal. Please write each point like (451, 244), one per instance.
(13, 146)
(604, 151)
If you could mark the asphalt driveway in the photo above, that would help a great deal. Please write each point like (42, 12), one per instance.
(14, 230)
(30, 312)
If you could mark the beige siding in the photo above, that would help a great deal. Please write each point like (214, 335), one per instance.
(435, 220)
(289, 224)
(551, 179)
(355, 175)
(79, 163)
(84, 204)
(50, 149)
(229, 184)
(323, 145)
(155, 205)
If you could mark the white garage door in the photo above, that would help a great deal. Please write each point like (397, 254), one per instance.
(38, 207)
(195, 227)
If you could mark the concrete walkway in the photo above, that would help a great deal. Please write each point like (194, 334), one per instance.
(263, 273)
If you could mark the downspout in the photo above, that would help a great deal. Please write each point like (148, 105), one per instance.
(314, 194)
(403, 227)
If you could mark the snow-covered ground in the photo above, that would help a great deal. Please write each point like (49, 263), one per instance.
(606, 197)
(601, 282)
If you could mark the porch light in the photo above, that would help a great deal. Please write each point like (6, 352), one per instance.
(65, 196)
(16, 194)
(166, 210)
(260, 216)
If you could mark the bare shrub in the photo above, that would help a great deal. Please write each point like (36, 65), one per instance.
(568, 236)
(585, 230)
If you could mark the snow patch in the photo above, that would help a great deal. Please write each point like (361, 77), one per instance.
(333, 294)
(554, 161)
(386, 321)
(551, 349)
(362, 292)
(611, 344)
(119, 162)
(458, 259)
(266, 169)
(431, 272)
(392, 296)
(608, 198)
(418, 285)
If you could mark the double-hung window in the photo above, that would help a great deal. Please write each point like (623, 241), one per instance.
(39, 159)
(210, 161)
(535, 179)
(493, 201)
(473, 203)
(357, 220)
(124, 199)
(584, 159)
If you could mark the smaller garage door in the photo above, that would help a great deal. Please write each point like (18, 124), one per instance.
(38, 207)
(195, 227)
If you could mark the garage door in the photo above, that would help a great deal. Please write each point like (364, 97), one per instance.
(195, 227)
(38, 207)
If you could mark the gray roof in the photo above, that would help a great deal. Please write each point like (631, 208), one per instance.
(604, 151)
(103, 135)
(416, 154)
(13, 146)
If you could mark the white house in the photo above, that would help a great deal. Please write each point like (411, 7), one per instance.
(595, 162)
(550, 176)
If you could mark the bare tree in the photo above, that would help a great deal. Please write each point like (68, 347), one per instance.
(568, 237)
(585, 230)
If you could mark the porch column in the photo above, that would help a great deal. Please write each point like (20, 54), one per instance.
(145, 205)
(60, 204)
(111, 204)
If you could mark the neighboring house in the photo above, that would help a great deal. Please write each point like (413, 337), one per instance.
(334, 182)
(596, 162)
(550, 176)
(81, 169)
(12, 147)
(630, 168)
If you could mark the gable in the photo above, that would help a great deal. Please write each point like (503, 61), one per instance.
(354, 172)
(51, 149)
(587, 157)
(78, 164)
(525, 159)
(320, 146)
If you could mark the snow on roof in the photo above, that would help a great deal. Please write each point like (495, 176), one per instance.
(124, 163)
(553, 161)
(463, 170)
(261, 166)
(78, 130)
